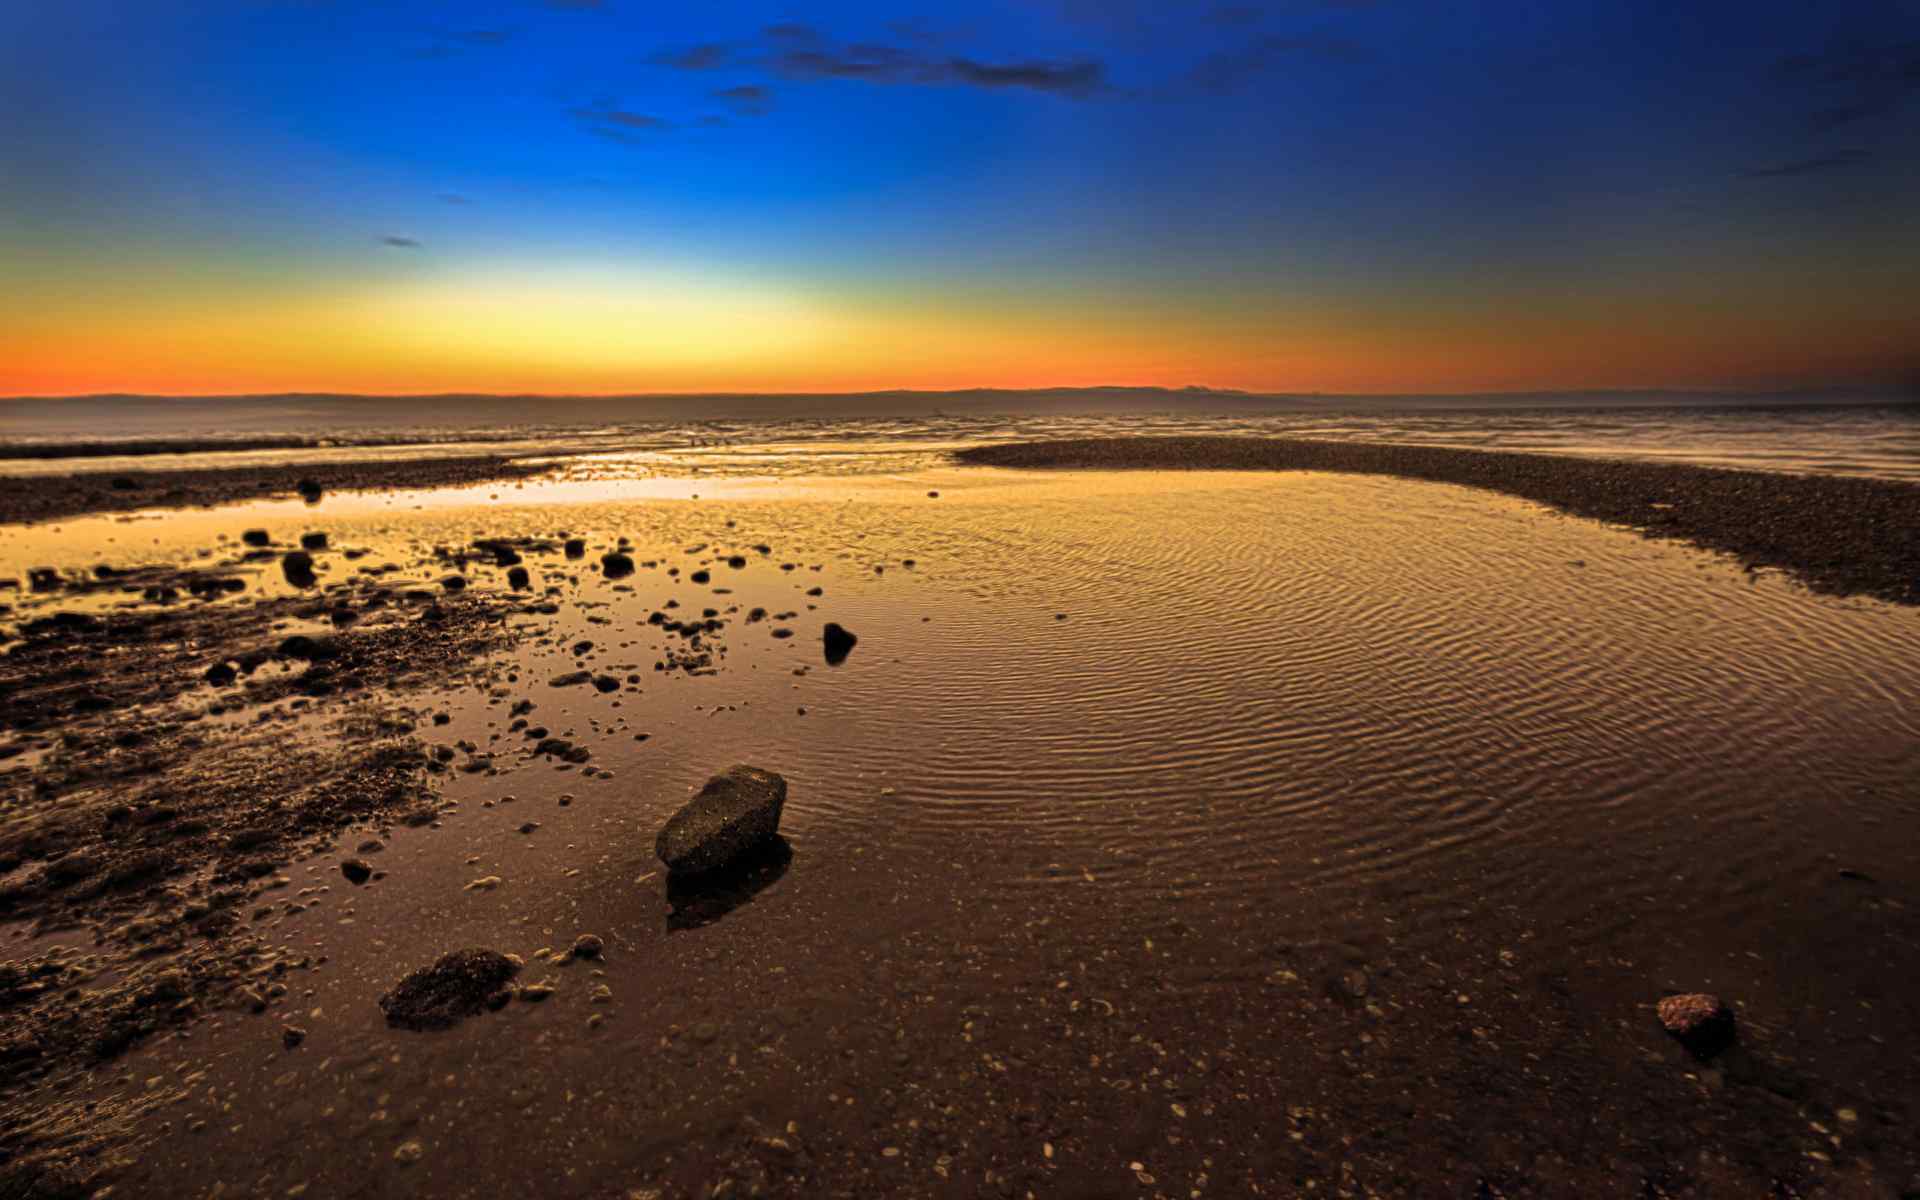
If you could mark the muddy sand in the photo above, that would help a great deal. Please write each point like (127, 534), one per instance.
(1113, 870)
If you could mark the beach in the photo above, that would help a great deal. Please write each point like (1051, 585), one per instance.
(1172, 827)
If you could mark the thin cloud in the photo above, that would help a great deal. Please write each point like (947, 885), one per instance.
(1229, 69)
(1854, 84)
(620, 125)
(1838, 160)
(400, 243)
(705, 57)
(800, 52)
(747, 100)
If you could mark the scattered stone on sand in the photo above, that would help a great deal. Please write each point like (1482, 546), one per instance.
(736, 811)
(297, 566)
(485, 883)
(1699, 1021)
(576, 547)
(455, 987)
(357, 870)
(839, 643)
(518, 579)
(570, 679)
(616, 565)
(536, 992)
(313, 541)
(700, 577)
(255, 537)
(588, 945)
(292, 1035)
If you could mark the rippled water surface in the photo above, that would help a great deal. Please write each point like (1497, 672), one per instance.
(1240, 709)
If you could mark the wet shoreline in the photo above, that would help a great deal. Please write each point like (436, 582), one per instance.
(1840, 536)
(1382, 906)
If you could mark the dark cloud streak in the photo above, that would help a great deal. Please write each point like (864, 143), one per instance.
(1819, 164)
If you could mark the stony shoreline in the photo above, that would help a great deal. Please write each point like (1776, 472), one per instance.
(28, 498)
(1841, 536)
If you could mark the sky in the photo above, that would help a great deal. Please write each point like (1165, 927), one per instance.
(626, 196)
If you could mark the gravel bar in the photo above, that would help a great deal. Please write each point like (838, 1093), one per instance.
(1839, 535)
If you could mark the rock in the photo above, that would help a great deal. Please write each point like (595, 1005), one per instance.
(292, 1035)
(297, 566)
(309, 491)
(1699, 1021)
(221, 674)
(454, 583)
(588, 945)
(518, 579)
(576, 547)
(700, 577)
(606, 683)
(313, 541)
(357, 870)
(455, 987)
(616, 565)
(311, 649)
(570, 679)
(839, 643)
(737, 561)
(408, 1153)
(736, 811)
(255, 537)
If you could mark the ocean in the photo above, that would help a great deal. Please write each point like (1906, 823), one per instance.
(808, 435)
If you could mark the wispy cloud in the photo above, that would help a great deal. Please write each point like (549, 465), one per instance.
(1838, 160)
(747, 100)
(1853, 84)
(400, 243)
(793, 51)
(619, 125)
(706, 57)
(1228, 69)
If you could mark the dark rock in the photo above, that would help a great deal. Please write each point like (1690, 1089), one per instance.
(570, 679)
(588, 945)
(309, 490)
(297, 565)
(1699, 1021)
(221, 674)
(43, 579)
(606, 683)
(737, 561)
(454, 583)
(357, 870)
(313, 541)
(455, 987)
(616, 565)
(700, 576)
(839, 643)
(311, 649)
(517, 579)
(576, 547)
(736, 811)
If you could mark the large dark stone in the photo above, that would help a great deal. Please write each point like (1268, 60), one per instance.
(457, 986)
(616, 565)
(737, 811)
(839, 643)
(1698, 1021)
(297, 565)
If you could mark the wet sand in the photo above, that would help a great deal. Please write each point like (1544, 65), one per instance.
(1843, 536)
(1341, 845)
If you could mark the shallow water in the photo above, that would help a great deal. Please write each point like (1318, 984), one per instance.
(1875, 440)
(1172, 722)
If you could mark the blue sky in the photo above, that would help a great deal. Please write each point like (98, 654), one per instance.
(1289, 194)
